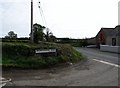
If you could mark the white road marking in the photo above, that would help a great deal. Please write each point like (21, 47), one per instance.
(3, 81)
(118, 66)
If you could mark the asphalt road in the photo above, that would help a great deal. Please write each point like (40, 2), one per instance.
(85, 73)
(93, 53)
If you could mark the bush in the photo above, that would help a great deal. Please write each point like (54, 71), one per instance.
(22, 55)
(17, 49)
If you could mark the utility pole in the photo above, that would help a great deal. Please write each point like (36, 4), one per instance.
(119, 13)
(32, 34)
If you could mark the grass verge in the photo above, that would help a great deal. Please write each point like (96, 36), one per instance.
(22, 55)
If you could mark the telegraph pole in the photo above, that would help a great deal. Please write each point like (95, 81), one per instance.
(32, 34)
(119, 13)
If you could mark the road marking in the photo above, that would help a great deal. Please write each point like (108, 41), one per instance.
(118, 66)
(3, 81)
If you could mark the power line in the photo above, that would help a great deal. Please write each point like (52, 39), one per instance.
(42, 13)
(43, 16)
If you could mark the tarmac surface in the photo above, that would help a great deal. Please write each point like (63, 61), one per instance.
(90, 72)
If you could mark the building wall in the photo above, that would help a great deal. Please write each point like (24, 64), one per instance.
(109, 40)
(101, 38)
(118, 41)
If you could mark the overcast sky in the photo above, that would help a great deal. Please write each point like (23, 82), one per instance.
(65, 18)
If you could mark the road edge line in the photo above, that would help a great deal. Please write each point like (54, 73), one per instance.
(108, 63)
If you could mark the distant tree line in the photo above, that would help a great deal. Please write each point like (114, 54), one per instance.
(39, 34)
(73, 42)
(43, 34)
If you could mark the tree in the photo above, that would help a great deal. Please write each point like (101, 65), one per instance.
(11, 35)
(49, 36)
(38, 32)
(39, 35)
(48, 33)
(52, 38)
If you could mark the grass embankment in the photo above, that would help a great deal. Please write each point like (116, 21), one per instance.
(22, 55)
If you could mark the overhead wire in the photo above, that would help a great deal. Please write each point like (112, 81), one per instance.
(43, 16)
(42, 13)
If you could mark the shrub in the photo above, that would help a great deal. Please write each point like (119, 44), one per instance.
(22, 55)
(17, 49)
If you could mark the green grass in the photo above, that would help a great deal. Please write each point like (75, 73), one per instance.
(21, 55)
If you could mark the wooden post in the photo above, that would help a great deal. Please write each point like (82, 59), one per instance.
(32, 34)
(119, 13)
